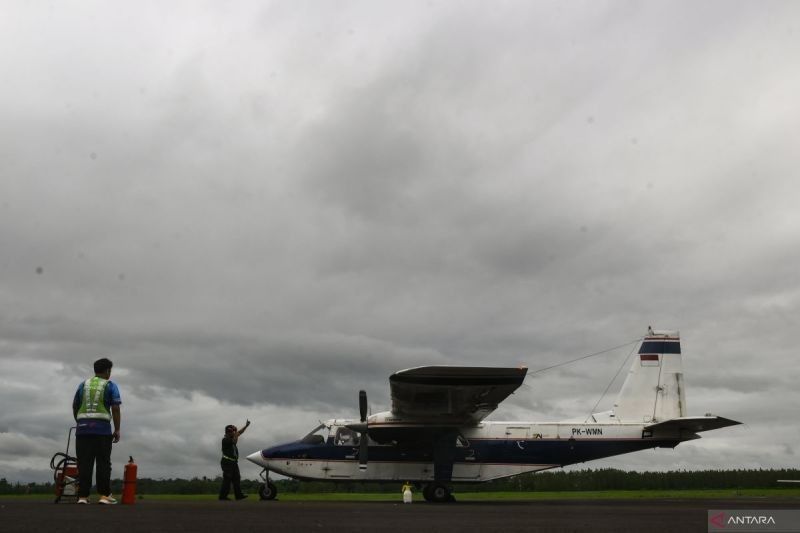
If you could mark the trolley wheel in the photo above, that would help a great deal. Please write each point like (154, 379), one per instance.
(267, 491)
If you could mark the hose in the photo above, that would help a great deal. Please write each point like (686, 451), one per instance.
(59, 466)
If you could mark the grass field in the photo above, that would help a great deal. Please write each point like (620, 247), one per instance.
(776, 493)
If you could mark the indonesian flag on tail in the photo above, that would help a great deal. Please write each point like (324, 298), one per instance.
(648, 359)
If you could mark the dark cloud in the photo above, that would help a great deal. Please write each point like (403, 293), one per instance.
(264, 210)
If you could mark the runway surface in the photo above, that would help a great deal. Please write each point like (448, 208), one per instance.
(650, 516)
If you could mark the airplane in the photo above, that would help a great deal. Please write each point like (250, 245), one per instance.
(436, 433)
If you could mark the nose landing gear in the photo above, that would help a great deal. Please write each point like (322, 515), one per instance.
(267, 490)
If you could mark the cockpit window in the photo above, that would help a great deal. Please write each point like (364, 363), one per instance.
(346, 437)
(317, 436)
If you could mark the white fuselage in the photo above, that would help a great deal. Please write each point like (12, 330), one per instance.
(490, 450)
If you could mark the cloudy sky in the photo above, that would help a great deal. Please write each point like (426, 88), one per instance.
(256, 209)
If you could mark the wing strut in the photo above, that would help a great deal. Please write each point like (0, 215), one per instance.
(444, 446)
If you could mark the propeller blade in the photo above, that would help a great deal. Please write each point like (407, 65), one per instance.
(362, 404)
(362, 452)
(363, 429)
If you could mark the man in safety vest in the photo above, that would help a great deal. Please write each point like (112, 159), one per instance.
(230, 463)
(95, 405)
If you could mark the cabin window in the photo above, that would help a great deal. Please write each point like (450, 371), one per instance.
(346, 437)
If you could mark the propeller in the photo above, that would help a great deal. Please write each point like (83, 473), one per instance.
(363, 430)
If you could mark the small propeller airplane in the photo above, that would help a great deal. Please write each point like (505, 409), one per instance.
(435, 433)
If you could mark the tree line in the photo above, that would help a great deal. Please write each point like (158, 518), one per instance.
(559, 480)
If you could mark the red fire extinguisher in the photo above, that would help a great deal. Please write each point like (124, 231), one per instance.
(129, 483)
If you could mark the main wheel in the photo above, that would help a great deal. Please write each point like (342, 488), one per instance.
(437, 493)
(267, 491)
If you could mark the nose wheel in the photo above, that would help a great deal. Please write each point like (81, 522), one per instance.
(267, 490)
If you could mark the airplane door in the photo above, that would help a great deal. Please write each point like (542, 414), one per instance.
(517, 440)
(469, 468)
(343, 462)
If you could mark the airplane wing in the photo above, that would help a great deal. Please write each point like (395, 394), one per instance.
(451, 395)
(691, 424)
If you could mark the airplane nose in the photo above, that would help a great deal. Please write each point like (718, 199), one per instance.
(257, 458)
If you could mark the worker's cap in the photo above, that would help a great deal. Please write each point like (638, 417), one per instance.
(229, 428)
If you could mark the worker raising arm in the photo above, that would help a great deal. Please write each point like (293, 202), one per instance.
(230, 463)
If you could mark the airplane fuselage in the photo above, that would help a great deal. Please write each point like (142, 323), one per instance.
(489, 450)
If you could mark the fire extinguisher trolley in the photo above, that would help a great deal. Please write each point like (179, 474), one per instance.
(65, 473)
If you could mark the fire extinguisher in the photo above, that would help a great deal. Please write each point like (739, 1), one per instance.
(129, 483)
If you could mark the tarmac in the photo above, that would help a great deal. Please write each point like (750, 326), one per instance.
(649, 516)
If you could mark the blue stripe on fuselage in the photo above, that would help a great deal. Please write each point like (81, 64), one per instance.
(495, 451)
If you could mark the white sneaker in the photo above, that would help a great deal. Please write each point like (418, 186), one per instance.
(83, 501)
(107, 500)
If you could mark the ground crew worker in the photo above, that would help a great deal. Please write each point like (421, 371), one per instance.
(407, 492)
(95, 405)
(230, 463)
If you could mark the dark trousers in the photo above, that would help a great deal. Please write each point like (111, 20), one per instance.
(230, 476)
(92, 449)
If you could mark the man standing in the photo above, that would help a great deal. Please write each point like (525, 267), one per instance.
(95, 405)
(230, 463)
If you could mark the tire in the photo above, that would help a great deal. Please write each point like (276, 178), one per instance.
(438, 493)
(267, 491)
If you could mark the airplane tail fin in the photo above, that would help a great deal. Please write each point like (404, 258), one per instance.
(653, 391)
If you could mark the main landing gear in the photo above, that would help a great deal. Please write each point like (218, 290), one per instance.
(437, 493)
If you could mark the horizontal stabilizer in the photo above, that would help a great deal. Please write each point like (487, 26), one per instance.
(693, 424)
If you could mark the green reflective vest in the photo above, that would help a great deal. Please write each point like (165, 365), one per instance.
(229, 450)
(93, 404)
